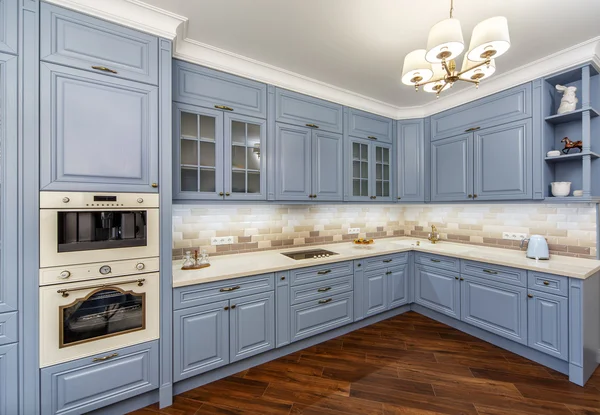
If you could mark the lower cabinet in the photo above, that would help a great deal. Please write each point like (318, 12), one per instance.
(94, 382)
(495, 307)
(212, 335)
(548, 324)
(398, 286)
(384, 289)
(438, 290)
(318, 316)
(9, 394)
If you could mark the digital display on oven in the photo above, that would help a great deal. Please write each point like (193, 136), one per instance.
(105, 198)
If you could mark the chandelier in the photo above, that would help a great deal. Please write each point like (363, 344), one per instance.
(435, 69)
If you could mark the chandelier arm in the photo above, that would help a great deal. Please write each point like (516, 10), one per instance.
(486, 62)
(442, 89)
(431, 81)
(468, 80)
(445, 66)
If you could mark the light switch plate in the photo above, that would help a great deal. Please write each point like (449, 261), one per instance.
(513, 236)
(221, 240)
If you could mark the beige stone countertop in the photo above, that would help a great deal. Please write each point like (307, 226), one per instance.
(225, 267)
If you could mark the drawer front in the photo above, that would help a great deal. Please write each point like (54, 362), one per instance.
(320, 273)
(196, 85)
(8, 328)
(83, 385)
(510, 105)
(211, 292)
(438, 261)
(365, 125)
(495, 272)
(385, 261)
(299, 109)
(548, 283)
(74, 39)
(322, 289)
(314, 317)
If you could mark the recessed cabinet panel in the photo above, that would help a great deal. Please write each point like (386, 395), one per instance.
(410, 161)
(302, 110)
(398, 286)
(9, 375)
(97, 133)
(366, 125)
(452, 169)
(375, 292)
(314, 317)
(503, 157)
(8, 25)
(438, 290)
(293, 160)
(327, 172)
(252, 325)
(548, 324)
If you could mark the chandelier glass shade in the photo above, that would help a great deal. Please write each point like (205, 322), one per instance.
(435, 69)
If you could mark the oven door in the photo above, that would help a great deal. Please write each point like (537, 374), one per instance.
(69, 237)
(86, 318)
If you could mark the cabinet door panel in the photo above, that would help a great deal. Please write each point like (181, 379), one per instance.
(503, 162)
(548, 324)
(410, 161)
(452, 169)
(366, 125)
(327, 170)
(252, 325)
(8, 25)
(381, 175)
(97, 133)
(358, 184)
(299, 109)
(9, 393)
(314, 317)
(496, 307)
(438, 290)
(200, 339)
(293, 161)
(375, 292)
(397, 286)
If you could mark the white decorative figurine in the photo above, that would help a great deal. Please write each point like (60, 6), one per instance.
(568, 101)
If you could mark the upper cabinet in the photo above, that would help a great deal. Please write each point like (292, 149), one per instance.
(302, 110)
(410, 161)
(369, 170)
(452, 169)
(503, 107)
(76, 40)
(196, 85)
(217, 155)
(8, 25)
(366, 125)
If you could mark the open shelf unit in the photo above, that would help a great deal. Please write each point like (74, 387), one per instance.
(582, 169)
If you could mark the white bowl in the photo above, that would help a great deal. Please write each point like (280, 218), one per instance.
(578, 193)
(561, 189)
(553, 153)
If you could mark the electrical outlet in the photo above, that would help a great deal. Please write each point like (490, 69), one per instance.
(221, 240)
(513, 236)
(353, 230)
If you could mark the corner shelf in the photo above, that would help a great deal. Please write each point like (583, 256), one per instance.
(572, 199)
(574, 156)
(571, 116)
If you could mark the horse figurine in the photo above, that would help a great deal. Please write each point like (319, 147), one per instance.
(570, 145)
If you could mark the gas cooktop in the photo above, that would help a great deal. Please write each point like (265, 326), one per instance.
(311, 254)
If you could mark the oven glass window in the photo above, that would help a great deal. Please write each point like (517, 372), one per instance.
(87, 231)
(106, 312)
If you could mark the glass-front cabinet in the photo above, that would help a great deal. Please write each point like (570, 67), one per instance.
(371, 170)
(218, 155)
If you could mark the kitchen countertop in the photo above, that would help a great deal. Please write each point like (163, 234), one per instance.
(225, 267)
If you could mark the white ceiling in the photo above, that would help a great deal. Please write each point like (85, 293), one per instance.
(359, 45)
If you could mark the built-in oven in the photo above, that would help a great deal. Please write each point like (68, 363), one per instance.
(83, 228)
(85, 318)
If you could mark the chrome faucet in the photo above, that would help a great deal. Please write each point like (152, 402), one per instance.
(434, 236)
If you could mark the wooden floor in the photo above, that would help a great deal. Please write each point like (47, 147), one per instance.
(406, 365)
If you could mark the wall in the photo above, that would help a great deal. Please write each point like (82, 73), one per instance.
(569, 229)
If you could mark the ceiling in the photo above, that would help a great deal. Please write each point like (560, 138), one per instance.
(359, 45)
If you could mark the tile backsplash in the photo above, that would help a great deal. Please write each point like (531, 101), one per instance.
(569, 229)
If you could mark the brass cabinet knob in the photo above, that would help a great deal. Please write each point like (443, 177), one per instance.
(227, 194)
(546, 283)
(462, 279)
(455, 278)
(155, 185)
(529, 296)
(399, 198)
(470, 196)
(226, 308)
(474, 196)
(282, 278)
(233, 306)
(221, 193)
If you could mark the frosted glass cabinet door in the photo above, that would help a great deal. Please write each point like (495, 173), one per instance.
(198, 153)
(382, 176)
(360, 171)
(97, 133)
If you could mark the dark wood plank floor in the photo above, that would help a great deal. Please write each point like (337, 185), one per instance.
(406, 365)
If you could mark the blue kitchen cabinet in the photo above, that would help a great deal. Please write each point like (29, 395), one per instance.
(8, 25)
(282, 309)
(397, 286)
(200, 339)
(503, 157)
(438, 290)
(363, 124)
(369, 170)
(9, 380)
(452, 169)
(313, 317)
(205, 87)
(251, 325)
(73, 39)
(496, 307)
(410, 161)
(548, 324)
(308, 164)
(305, 111)
(375, 292)
(97, 133)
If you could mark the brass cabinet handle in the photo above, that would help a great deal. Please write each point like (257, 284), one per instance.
(226, 308)
(314, 196)
(546, 283)
(323, 290)
(223, 107)
(65, 291)
(489, 271)
(227, 194)
(221, 193)
(327, 271)
(104, 69)
(470, 196)
(102, 359)
(371, 137)
(233, 306)
(435, 260)
(359, 265)
(388, 273)
(237, 287)
(462, 279)
(529, 296)
(312, 125)
(387, 260)
(455, 278)
(474, 196)
(325, 301)
(399, 198)
(155, 185)
(373, 197)
(472, 129)
(282, 278)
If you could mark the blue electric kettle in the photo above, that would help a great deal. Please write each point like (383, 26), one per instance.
(537, 247)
